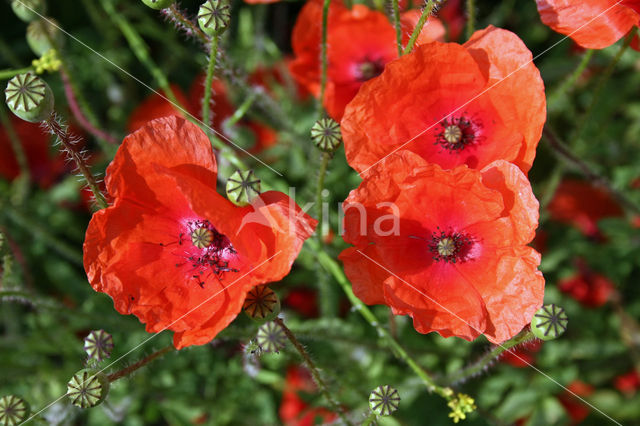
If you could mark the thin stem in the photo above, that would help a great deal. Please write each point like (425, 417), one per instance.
(328, 301)
(323, 51)
(144, 361)
(206, 102)
(242, 109)
(334, 269)
(77, 112)
(7, 74)
(550, 189)
(370, 420)
(571, 80)
(16, 143)
(471, 18)
(326, 157)
(606, 75)
(322, 387)
(426, 12)
(140, 49)
(569, 157)
(488, 358)
(181, 21)
(396, 23)
(60, 131)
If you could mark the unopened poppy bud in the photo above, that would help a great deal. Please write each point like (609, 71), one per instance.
(261, 304)
(271, 337)
(158, 4)
(242, 187)
(13, 410)
(43, 35)
(98, 345)
(326, 134)
(549, 322)
(214, 17)
(87, 388)
(29, 10)
(384, 400)
(29, 97)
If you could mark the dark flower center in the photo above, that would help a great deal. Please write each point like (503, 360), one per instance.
(450, 247)
(455, 134)
(369, 69)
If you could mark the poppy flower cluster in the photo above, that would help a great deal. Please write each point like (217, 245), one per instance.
(441, 224)
(174, 252)
(592, 24)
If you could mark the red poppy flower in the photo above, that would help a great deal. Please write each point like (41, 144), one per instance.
(447, 247)
(295, 411)
(46, 164)
(575, 408)
(628, 383)
(372, 44)
(593, 24)
(157, 106)
(453, 15)
(174, 252)
(451, 104)
(589, 288)
(523, 355)
(303, 301)
(582, 205)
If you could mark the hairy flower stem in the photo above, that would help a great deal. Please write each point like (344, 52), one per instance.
(140, 50)
(7, 74)
(396, 22)
(59, 130)
(182, 22)
(489, 358)
(570, 158)
(16, 144)
(606, 75)
(571, 80)
(78, 114)
(328, 302)
(370, 420)
(332, 267)
(144, 361)
(471, 18)
(206, 101)
(323, 53)
(426, 12)
(322, 387)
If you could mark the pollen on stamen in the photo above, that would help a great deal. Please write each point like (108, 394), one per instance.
(457, 133)
(450, 247)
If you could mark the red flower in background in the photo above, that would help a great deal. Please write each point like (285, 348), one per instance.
(451, 104)
(522, 355)
(593, 24)
(158, 106)
(46, 164)
(303, 301)
(295, 411)
(453, 16)
(576, 409)
(628, 383)
(587, 287)
(371, 45)
(458, 261)
(174, 252)
(582, 205)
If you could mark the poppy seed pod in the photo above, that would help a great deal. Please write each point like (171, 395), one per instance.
(242, 188)
(88, 388)
(43, 35)
(29, 97)
(326, 135)
(384, 400)
(262, 304)
(158, 4)
(549, 322)
(214, 17)
(98, 345)
(13, 410)
(29, 10)
(271, 337)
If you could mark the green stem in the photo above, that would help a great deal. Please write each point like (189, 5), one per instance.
(7, 74)
(323, 51)
(334, 269)
(569, 157)
(326, 157)
(571, 80)
(206, 102)
(396, 23)
(184, 23)
(370, 420)
(140, 50)
(144, 361)
(328, 300)
(322, 387)
(242, 109)
(426, 12)
(606, 75)
(550, 189)
(490, 357)
(60, 131)
(16, 144)
(471, 18)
